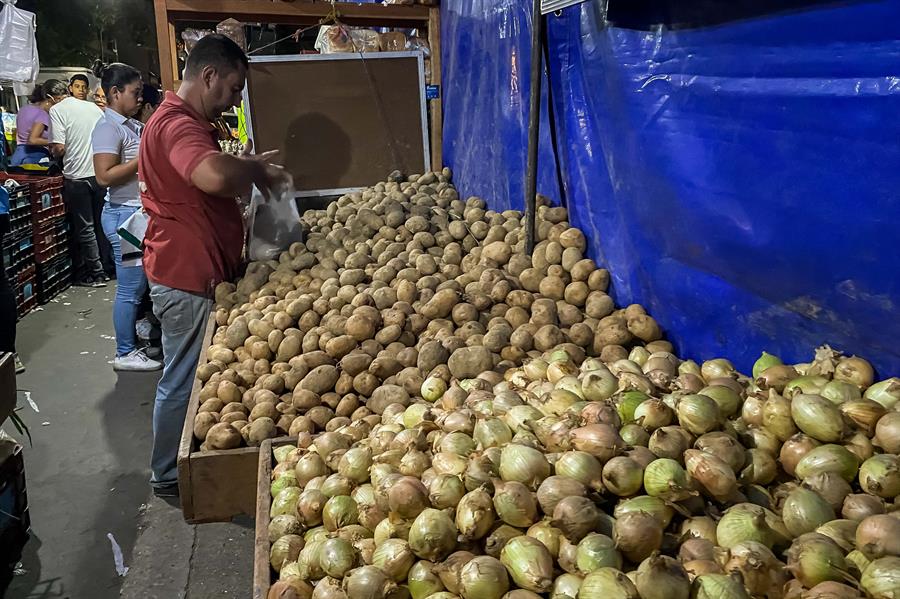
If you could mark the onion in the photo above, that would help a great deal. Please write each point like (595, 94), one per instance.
(717, 368)
(839, 392)
(696, 548)
(887, 432)
(854, 370)
(576, 517)
(433, 389)
(814, 558)
(880, 476)
(628, 403)
(698, 414)
(777, 417)
(726, 398)
(432, 535)
(407, 497)
(368, 582)
(714, 476)
(805, 384)
(529, 563)
(718, 586)
(339, 511)
(776, 377)
(830, 590)
(600, 440)
(761, 467)
(597, 551)
(881, 580)
(483, 577)
(600, 412)
(661, 577)
(355, 464)
(805, 510)
(670, 442)
(555, 488)
(857, 562)
(794, 449)
(879, 536)
(515, 504)
(309, 567)
(765, 361)
(287, 479)
(599, 385)
(688, 383)
(523, 464)
(622, 476)
(422, 581)
(309, 466)
(475, 514)
(666, 478)
(450, 570)
(752, 411)
(699, 527)
(842, 532)
(551, 537)
(725, 447)
(641, 455)
(830, 486)
(756, 564)
(859, 507)
(860, 445)
(653, 414)
(480, 472)
(607, 583)
(886, 392)
(637, 535)
(395, 558)
(491, 432)
(746, 522)
(284, 550)
(566, 587)
(328, 588)
(445, 491)
(634, 435)
(817, 417)
(458, 443)
(336, 557)
(337, 484)
(763, 439)
(654, 506)
(828, 458)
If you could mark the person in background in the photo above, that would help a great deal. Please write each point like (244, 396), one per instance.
(100, 97)
(79, 87)
(8, 304)
(116, 140)
(152, 99)
(194, 238)
(71, 125)
(33, 124)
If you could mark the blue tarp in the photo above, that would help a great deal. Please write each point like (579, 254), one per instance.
(739, 177)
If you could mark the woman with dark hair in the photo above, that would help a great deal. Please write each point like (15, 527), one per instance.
(152, 99)
(116, 141)
(33, 124)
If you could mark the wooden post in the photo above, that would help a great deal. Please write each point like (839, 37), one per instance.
(164, 45)
(436, 105)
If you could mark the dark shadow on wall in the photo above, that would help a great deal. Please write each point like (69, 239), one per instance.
(691, 14)
(318, 152)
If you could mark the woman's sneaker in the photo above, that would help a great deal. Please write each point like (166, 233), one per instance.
(136, 361)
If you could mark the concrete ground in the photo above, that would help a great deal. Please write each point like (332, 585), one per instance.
(87, 474)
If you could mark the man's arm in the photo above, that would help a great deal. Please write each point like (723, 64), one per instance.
(230, 176)
(57, 133)
(110, 172)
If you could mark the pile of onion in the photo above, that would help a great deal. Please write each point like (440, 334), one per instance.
(630, 475)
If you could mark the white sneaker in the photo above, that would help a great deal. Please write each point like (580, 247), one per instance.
(136, 361)
(143, 328)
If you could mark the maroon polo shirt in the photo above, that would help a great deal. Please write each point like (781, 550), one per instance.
(194, 240)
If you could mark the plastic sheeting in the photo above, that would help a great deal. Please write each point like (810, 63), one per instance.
(738, 178)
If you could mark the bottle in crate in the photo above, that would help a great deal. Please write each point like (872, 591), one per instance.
(53, 277)
(51, 240)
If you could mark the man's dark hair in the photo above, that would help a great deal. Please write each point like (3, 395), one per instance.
(151, 95)
(217, 51)
(79, 77)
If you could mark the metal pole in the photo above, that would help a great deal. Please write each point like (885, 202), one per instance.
(534, 124)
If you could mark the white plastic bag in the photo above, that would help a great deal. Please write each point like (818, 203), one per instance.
(274, 224)
(18, 47)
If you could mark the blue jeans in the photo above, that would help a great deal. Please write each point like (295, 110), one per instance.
(183, 318)
(25, 154)
(131, 282)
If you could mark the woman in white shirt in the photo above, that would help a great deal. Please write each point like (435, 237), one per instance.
(116, 140)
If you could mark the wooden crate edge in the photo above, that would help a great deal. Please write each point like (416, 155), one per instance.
(262, 572)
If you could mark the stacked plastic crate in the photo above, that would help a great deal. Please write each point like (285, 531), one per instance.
(51, 238)
(18, 249)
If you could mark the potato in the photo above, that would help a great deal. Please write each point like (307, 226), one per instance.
(261, 410)
(644, 328)
(430, 355)
(261, 429)
(203, 422)
(355, 362)
(552, 287)
(320, 379)
(544, 311)
(384, 367)
(220, 353)
(205, 371)
(386, 395)
(228, 392)
(223, 436)
(598, 305)
(576, 293)
(548, 337)
(360, 327)
(599, 280)
(340, 346)
(469, 362)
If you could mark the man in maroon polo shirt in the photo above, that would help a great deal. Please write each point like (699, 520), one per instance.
(194, 239)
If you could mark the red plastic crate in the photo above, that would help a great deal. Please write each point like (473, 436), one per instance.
(26, 296)
(51, 240)
(46, 195)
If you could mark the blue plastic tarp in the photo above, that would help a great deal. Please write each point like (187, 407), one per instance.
(738, 178)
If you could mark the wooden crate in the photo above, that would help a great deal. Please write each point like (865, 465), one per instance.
(262, 571)
(217, 485)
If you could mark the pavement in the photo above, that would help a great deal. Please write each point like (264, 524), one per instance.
(87, 474)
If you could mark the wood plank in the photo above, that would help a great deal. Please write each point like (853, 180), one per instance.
(262, 572)
(186, 447)
(163, 42)
(436, 114)
(266, 11)
(223, 484)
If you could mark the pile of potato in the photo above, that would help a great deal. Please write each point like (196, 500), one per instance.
(395, 284)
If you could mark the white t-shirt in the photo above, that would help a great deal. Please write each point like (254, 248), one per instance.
(116, 134)
(72, 123)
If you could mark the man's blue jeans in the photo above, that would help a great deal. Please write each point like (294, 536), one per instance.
(183, 317)
(131, 283)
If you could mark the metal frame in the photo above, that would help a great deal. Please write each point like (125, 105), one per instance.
(420, 60)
